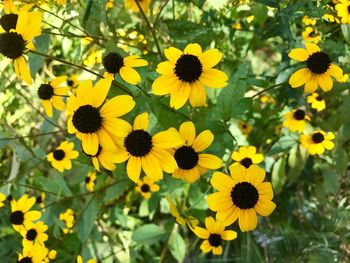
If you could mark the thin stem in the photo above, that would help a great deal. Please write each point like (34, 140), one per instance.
(150, 28)
(31, 135)
(159, 13)
(268, 88)
(166, 245)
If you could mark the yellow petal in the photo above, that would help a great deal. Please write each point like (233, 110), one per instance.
(133, 168)
(228, 235)
(188, 132)
(90, 143)
(172, 54)
(201, 232)
(180, 95)
(209, 161)
(247, 220)
(299, 77)
(214, 78)
(335, 71)
(151, 167)
(167, 139)
(265, 208)
(311, 85)
(299, 54)
(312, 48)
(47, 106)
(221, 182)
(130, 75)
(220, 201)
(193, 49)
(325, 82)
(164, 85)
(203, 141)
(210, 58)
(198, 95)
(100, 92)
(117, 106)
(141, 122)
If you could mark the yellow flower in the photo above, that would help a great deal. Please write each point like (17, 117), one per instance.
(185, 75)
(34, 235)
(344, 78)
(80, 260)
(241, 196)
(343, 11)
(93, 121)
(106, 157)
(191, 221)
(237, 26)
(86, 40)
(50, 256)
(51, 94)
(95, 57)
(131, 4)
(61, 2)
(246, 156)
(141, 150)
(114, 64)
(319, 69)
(191, 163)
(109, 4)
(295, 120)
(72, 81)
(309, 21)
(146, 186)
(310, 35)
(40, 200)
(331, 18)
(17, 41)
(68, 218)
(2, 198)
(267, 99)
(61, 157)
(90, 181)
(35, 254)
(317, 142)
(21, 217)
(245, 127)
(317, 102)
(213, 233)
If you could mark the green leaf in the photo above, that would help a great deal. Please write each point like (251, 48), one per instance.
(177, 246)
(296, 162)
(86, 223)
(345, 29)
(279, 175)
(148, 234)
(42, 43)
(330, 180)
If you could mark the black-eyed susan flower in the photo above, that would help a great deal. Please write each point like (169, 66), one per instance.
(32, 254)
(106, 156)
(21, 216)
(50, 256)
(40, 199)
(93, 121)
(8, 21)
(309, 21)
(68, 218)
(317, 142)
(80, 260)
(131, 4)
(141, 150)
(245, 127)
(94, 58)
(2, 199)
(72, 81)
(343, 11)
(114, 64)
(181, 218)
(295, 120)
(191, 163)
(213, 233)
(34, 234)
(310, 35)
(90, 181)
(316, 101)
(319, 69)
(186, 74)
(61, 157)
(246, 156)
(331, 18)
(146, 187)
(52, 93)
(241, 196)
(18, 41)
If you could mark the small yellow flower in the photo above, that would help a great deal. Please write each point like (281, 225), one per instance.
(95, 57)
(86, 40)
(295, 120)
(90, 181)
(40, 199)
(317, 102)
(309, 21)
(237, 26)
(80, 260)
(245, 127)
(246, 156)
(34, 234)
(131, 4)
(191, 221)
(317, 142)
(146, 186)
(33, 254)
(310, 35)
(61, 157)
(68, 218)
(109, 4)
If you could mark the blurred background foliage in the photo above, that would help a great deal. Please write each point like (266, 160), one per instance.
(113, 223)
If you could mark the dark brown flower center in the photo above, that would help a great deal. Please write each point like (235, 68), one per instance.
(246, 162)
(188, 68)
(244, 195)
(87, 119)
(70, 83)
(299, 115)
(112, 62)
(12, 45)
(317, 137)
(145, 188)
(318, 63)
(58, 155)
(31, 234)
(186, 157)
(138, 143)
(9, 21)
(25, 260)
(17, 217)
(215, 240)
(45, 91)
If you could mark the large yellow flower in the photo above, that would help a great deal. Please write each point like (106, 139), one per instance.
(34, 235)
(317, 142)
(114, 64)
(146, 187)
(17, 41)
(295, 120)
(147, 152)
(317, 101)
(131, 4)
(319, 69)
(191, 163)
(21, 217)
(185, 75)
(246, 156)
(61, 157)
(343, 11)
(52, 93)
(93, 121)
(241, 196)
(214, 234)
(35, 254)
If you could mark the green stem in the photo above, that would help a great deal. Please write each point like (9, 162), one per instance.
(268, 88)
